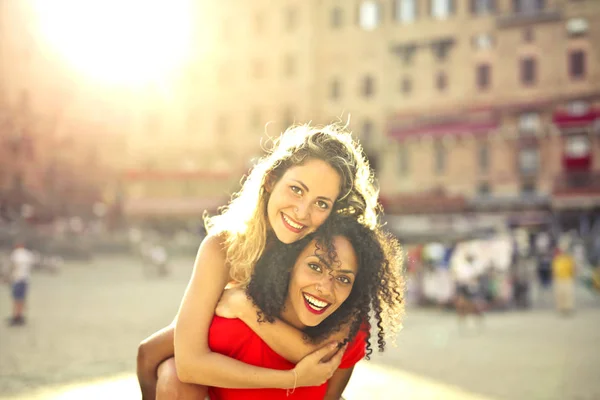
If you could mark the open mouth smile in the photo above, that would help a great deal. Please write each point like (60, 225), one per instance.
(315, 305)
(291, 224)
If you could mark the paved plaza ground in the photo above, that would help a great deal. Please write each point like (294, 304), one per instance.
(85, 324)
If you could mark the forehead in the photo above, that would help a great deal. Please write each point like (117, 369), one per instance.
(320, 177)
(345, 256)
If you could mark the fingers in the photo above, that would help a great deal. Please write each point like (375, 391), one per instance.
(323, 351)
(337, 358)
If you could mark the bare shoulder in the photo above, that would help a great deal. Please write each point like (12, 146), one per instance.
(213, 250)
(214, 243)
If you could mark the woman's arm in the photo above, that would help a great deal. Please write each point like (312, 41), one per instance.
(284, 339)
(151, 352)
(338, 383)
(196, 363)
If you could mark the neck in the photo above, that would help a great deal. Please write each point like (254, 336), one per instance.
(289, 316)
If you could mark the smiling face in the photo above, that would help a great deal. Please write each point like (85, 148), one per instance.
(319, 286)
(302, 199)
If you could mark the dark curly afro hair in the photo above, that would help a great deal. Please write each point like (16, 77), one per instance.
(377, 293)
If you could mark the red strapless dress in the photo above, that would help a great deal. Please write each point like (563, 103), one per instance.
(235, 339)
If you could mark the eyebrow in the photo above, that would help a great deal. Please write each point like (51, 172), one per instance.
(345, 271)
(308, 191)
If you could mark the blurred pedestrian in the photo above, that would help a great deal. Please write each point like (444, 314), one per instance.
(468, 292)
(521, 274)
(544, 253)
(563, 276)
(21, 263)
(158, 257)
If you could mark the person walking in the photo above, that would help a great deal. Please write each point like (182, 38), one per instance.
(21, 262)
(563, 276)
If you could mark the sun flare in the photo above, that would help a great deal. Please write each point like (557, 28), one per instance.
(122, 42)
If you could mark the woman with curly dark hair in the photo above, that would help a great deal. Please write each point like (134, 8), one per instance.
(334, 281)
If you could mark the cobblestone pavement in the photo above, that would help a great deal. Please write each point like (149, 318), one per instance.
(85, 324)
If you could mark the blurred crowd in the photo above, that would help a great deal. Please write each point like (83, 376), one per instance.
(514, 270)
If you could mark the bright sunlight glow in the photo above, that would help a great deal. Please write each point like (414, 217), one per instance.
(119, 42)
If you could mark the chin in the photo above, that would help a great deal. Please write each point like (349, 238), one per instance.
(287, 239)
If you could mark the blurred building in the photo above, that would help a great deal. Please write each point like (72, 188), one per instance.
(480, 106)
(489, 108)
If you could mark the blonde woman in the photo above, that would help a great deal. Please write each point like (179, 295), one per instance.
(308, 174)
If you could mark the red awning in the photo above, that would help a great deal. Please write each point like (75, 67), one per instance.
(564, 119)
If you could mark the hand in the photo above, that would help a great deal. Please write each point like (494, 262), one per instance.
(233, 303)
(313, 371)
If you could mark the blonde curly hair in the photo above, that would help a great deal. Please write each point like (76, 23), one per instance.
(243, 223)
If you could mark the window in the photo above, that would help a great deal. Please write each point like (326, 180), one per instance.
(440, 157)
(335, 89)
(529, 160)
(441, 81)
(403, 159)
(482, 7)
(369, 15)
(441, 9)
(577, 27)
(441, 48)
(290, 19)
(577, 64)
(528, 6)
(483, 41)
(368, 86)
(336, 17)
(484, 157)
(529, 122)
(406, 52)
(289, 66)
(405, 10)
(528, 71)
(406, 85)
(483, 76)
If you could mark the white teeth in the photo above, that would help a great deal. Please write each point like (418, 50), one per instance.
(318, 304)
(292, 223)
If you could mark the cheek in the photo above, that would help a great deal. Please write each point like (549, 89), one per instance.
(301, 280)
(319, 217)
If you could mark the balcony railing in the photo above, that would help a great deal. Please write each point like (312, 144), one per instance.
(527, 17)
(577, 183)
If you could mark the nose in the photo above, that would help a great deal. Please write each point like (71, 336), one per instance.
(302, 210)
(325, 285)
